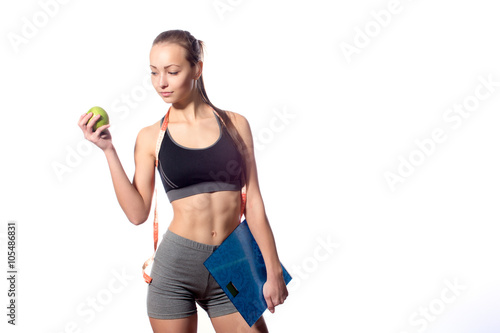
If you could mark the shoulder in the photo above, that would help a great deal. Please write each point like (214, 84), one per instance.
(150, 131)
(243, 127)
(239, 121)
(148, 135)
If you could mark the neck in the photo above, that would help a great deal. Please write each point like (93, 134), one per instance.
(190, 109)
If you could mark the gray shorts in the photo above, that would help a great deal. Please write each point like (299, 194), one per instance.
(180, 279)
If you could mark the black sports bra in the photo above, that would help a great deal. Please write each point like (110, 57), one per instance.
(189, 171)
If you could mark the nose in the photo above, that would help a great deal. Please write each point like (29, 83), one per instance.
(163, 81)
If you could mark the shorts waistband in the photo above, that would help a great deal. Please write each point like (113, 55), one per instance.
(188, 242)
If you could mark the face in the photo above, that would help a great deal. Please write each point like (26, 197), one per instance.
(171, 74)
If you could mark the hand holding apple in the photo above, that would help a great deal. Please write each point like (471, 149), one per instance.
(103, 120)
(94, 125)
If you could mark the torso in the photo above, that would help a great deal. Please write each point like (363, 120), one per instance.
(205, 217)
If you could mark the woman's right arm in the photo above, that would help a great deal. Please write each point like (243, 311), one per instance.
(134, 198)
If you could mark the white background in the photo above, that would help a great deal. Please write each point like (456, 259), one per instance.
(349, 120)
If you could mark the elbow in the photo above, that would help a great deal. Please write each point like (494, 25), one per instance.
(138, 219)
(136, 222)
(255, 204)
(255, 209)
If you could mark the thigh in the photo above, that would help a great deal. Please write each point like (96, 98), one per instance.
(170, 294)
(234, 323)
(184, 325)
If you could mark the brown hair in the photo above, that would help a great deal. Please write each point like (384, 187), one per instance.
(194, 53)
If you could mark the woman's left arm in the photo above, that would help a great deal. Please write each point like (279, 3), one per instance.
(275, 291)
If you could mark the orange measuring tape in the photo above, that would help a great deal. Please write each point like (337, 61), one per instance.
(163, 129)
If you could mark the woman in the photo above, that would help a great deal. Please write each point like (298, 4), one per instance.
(204, 157)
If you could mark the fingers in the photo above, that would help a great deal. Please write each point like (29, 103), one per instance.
(101, 137)
(101, 129)
(83, 123)
(273, 303)
(275, 297)
(86, 123)
(91, 123)
(84, 118)
(270, 304)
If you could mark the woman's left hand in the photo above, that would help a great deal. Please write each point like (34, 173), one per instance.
(275, 291)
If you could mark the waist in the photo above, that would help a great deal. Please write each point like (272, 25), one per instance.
(206, 218)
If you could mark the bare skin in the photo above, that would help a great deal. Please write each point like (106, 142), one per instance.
(205, 218)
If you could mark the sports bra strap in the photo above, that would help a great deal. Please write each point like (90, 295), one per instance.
(163, 129)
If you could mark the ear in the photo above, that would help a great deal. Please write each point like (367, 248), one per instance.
(199, 69)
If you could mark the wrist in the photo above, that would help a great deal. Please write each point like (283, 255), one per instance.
(109, 150)
(274, 272)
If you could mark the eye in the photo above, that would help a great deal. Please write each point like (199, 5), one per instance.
(173, 73)
(153, 73)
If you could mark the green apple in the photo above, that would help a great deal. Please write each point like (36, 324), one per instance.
(104, 120)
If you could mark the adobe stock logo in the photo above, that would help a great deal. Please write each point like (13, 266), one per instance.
(381, 19)
(94, 305)
(39, 20)
(324, 250)
(278, 123)
(224, 6)
(429, 313)
(454, 116)
(121, 109)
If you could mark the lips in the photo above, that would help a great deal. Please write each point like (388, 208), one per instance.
(166, 93)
